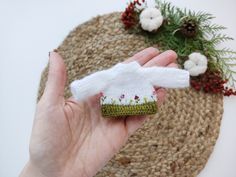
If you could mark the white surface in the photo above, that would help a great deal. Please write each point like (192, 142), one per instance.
(30, 29)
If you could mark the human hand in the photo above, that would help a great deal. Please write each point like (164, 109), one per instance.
(70, 138)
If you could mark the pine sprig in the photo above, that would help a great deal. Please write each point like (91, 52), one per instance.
(226, 51)
(220, 38)
(227, 62)
(206, 41)
(212, 28)
(229, 72)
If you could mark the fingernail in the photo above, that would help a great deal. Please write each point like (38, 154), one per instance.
(54, 50)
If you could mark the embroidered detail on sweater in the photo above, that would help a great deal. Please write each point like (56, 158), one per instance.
(128, 100)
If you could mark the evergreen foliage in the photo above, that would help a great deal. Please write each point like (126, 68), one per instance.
(206, 41)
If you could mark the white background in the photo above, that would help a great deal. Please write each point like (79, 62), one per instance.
(29, 29)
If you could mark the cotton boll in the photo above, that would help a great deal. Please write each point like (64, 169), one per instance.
(198, 58)
(151, 19)
(196, 64)
(195, 71)
(189, 64)
(202, 61)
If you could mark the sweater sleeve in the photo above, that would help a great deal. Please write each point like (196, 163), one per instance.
(89, 85)
(166, 77)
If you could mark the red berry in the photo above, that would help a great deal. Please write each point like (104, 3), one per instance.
(212, 82)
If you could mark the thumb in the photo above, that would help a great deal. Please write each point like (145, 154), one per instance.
(54, 90)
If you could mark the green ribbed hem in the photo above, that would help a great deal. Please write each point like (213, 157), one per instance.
(110, 110)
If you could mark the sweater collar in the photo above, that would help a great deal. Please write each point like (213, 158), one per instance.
(132, 66)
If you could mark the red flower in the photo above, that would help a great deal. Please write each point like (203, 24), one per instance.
(122, 96)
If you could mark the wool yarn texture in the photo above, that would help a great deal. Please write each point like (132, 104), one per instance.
(128, 89)
(175, 142)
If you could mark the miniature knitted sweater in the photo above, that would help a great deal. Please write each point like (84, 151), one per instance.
(128, 89)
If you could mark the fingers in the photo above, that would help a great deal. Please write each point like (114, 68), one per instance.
(161, 95)
(163, 59)
(161, 92)
(167, 59)
(133, 123)
(172, 65)
(144, 56)
(54, 90)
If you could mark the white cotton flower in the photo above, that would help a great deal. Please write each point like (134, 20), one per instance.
(151, 19)
(196, 64)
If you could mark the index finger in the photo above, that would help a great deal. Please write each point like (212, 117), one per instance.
(163, 59)
(144, 56)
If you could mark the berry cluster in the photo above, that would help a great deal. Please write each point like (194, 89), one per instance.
(129, 16)
(212, 82)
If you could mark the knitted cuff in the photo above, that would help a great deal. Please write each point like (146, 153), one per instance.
(110, 110)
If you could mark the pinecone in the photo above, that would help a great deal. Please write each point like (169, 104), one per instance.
(189, 28)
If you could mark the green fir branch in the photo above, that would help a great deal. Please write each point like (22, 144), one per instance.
(206, 41)
(212, 28)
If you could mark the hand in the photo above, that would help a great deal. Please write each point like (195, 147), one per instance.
(71, 138)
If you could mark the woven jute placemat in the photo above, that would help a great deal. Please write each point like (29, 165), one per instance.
(178, 140)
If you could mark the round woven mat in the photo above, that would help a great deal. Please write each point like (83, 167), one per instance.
(175, 142)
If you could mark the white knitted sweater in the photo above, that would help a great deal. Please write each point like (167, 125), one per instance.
(129, 84)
